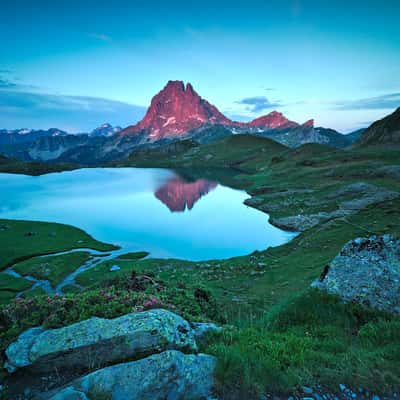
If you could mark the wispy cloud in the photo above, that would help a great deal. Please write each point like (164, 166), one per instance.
(6, 83)
(258, 103)
(387, 101)
(78, 113)
(101, 36)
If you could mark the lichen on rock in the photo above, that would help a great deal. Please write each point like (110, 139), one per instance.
(366, 271)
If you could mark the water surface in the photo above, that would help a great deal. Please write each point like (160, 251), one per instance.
(144, 209)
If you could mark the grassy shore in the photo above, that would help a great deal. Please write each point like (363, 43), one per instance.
(22, 240)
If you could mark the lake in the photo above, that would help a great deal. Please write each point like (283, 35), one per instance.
(155, 210)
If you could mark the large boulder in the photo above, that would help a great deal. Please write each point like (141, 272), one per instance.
(96, 341)
(367, 271)
(169, 375)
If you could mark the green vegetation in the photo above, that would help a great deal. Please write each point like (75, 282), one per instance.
(137, 255)
(22, 240)
(9, 165)
(281, 334)
(311, 338)
(52, 268)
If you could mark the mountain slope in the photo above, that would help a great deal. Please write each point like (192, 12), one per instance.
(383, 132)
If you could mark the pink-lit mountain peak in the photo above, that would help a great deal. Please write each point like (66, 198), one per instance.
(273, 120)
(175, 110)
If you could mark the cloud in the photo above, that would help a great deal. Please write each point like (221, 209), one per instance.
(6, 83)
(387, 101)
(258, 103)
(101, 36)
(20, 109)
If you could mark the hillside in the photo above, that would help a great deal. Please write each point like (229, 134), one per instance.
(383, 132)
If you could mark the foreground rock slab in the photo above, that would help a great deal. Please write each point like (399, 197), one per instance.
(367, 271)
(96, 342)
(168, 375)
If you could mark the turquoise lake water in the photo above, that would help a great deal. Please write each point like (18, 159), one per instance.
(144, 209)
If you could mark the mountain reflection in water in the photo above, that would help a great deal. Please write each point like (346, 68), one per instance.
(179, 195)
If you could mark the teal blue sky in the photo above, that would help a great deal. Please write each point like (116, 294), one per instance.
(75, 64)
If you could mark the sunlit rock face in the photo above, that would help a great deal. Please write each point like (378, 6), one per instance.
(273, 120)
(175, 110)
(179, 195)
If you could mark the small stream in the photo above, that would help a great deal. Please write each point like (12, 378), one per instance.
(95, 259)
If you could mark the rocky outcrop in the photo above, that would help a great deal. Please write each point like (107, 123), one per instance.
(367, 271)
(142, 356)
(346, 201)
(169, 375)
(98, 341)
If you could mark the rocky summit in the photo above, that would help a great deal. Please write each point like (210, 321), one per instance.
(366, 271)
(175, 110)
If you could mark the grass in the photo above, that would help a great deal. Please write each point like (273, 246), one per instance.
(137, 255)
(52, 268)
(314, 339)
(13, 284)
(22, 240)
(9, 165)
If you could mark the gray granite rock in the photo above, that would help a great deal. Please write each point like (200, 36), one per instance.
(96, 341)
(367, 271)
(169, 375)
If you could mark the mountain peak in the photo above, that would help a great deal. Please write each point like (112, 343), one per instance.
(176, 110)
(309, 123)
(273, 120)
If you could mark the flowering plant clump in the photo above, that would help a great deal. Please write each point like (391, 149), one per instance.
(54, 311)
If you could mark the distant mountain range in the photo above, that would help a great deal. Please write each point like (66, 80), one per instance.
(177, 112)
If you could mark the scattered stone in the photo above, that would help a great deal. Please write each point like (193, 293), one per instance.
(367, 271)
(99, 341)
(168, 375)
(115, 268)
(307, 390)
(30, 234)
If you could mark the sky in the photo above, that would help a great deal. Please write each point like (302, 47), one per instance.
(76, 64)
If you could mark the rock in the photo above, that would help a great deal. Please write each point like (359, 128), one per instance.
(99, 341)
(115, 268)
(307, 390)
(169, 375)
(203, 329)
(69, 393)
(18, 352)
(362, 195)
(367, 271)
